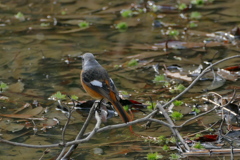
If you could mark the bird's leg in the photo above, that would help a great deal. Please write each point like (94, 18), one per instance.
(99, 105)
(102, 109)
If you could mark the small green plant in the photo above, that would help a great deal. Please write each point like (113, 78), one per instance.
(177, 103)
(126, 13)
(166, 84)
(83, 24)
(122, 26)
(178, 88)
(210, 129)
(176, 115)
(166, 148)
(59, 96)
(193, 24)
(159, 78)
(196, 110)
(45, 24)
(162, 139)
(117, 66)
(173, 32)
(195, 15)
(132, 63)
(63, 13)
(126, 108)
(74, 97)
(20, 16)
(150, 105)
(124, 93)
(196, 136)
(197, 2)
(174, 156)
(3, 86)
(182, 6)
(172, 140)
(154, 156)
(198, 145)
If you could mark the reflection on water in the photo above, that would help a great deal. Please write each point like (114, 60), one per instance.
(43, 51)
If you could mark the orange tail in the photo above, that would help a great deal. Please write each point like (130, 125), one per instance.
(122, 113)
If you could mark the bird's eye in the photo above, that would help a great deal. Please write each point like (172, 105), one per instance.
(82, 58)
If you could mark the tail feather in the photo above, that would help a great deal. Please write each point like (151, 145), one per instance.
(122, 113)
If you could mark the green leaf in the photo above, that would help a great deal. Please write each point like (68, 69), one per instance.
(162, 139)
(63, 12)
(197, 2)
(59, 95)
(3, 86)
(154, 156)
(177, 103)
(176, 115)
(166, 148)
(159, 78)
(150, 105)
(192, 25)
(196, 110)
(45, 24)
(195, 15)
(173, 32)
(83, 24)
(122, 26)
(174, 156)
(198, 146)
(126, 108)
(74, 97)
(132, 63)
(126, 13)
(20, 16)
(172, 140)
(178, 88)
(182, 6)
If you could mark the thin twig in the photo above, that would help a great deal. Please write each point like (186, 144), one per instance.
(173, 129)
(66, 124)
(80, 134)
(199, 76)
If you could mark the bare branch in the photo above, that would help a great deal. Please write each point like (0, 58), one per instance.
(173, 129)
(80, 134)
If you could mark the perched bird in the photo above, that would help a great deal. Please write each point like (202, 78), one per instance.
(99, 85)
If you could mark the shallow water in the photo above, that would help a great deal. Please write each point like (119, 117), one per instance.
(46, 59)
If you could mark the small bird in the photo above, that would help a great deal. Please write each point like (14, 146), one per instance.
(97, 83)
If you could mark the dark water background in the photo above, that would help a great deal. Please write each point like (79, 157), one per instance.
(38, 55)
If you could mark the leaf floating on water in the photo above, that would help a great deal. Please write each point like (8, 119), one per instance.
(14, 127)
(26, 105)
(16, 115)
(4, 98)
(217, 83)
(17, 87)
(35, 111)
(227, 75)
(11, 126)
(177, 75)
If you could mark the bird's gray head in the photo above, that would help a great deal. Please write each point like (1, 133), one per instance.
(88, 56)
(89, 61)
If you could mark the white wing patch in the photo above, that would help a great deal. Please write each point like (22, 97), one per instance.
(96, 83)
